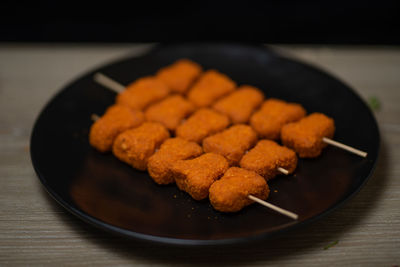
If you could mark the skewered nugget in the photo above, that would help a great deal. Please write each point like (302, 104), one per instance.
(267, 156)
(201, 124)
(240, 104)
(231, 143)
(115, 120)
(142, 93)
(173, 149)
(195, 176)
(135, 146)
(305, 136)
(170, 111)
(275, 113)
(211, 86)
(180, 75)
(230, 193)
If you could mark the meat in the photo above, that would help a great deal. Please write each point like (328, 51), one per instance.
(136, 146)
(201, 124)
(305, 136)
(230, 193)
(274, 113)
(180, 75)
(195, 176)
(211, 86)
(231, 143)
(240, 104)
(115, 120)
(173, 149)
(266, 157)
(170, 112)
(143, 92)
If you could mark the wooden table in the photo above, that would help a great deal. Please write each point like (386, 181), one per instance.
(35, 230)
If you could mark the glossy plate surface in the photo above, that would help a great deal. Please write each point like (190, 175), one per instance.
(111, 195)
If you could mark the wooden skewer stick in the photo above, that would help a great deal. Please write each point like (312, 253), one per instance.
(275, 208)
(108, 82)
(345, 147)
(282, 170)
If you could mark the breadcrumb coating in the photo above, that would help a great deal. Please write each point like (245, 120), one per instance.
(135, 146)
(274, 113)
(230, 193)
(240, 104)
(305, 136)
(180, 75)
(115, 120)
(170, 112)
(266, 157)
(211, 86)
(231, 143)
(202, 123)
(173, 149)
(195, 176)
(142, 93)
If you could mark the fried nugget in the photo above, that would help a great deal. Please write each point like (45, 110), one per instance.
(202, 123)
(267, 156)
(142, 93)
(230, 193)
(180, 75)
(135, 146)
(275, 113)
(170, 112)
(305, 136)
(240, 104)
(211, 86)
(195, 176)
(115, 120)
(173, 149)
(231, 143)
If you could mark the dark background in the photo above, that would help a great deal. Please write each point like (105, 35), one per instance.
(319, 22)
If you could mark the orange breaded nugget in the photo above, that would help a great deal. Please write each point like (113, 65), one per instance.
(142, 93)
(305, 136)
(180, 75)
(115, 120)
(275, 113)
(195, 176)
(170, 112)
(211, 86)
(266, 157)
(231, 143)
(135, 146)
(173, 149)
(240, 104)
(230, 193)
(201, 124)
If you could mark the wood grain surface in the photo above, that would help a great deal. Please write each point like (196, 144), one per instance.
(35, 230)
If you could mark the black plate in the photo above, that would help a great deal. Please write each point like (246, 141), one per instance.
(107, 193)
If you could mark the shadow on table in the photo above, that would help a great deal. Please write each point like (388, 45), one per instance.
(311, 237)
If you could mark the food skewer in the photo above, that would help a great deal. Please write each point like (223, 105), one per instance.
(94, 117)
(166, 169)
(117, 87)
